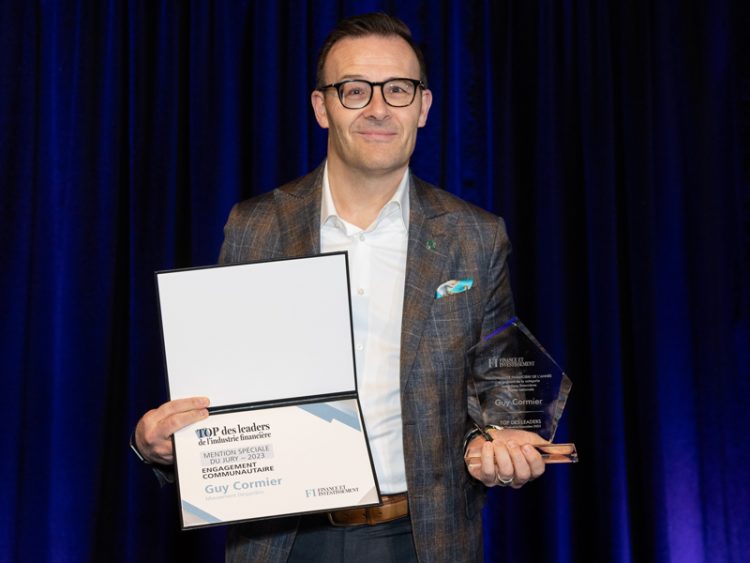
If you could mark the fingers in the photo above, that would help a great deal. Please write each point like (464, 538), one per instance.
(173, 415)
(154, 431)
(510, 460)
(505, 471)
(521, 469)
(517, 464)
(487, 466)
(480, 462)
(519, 436)
(181, 406)
(535, 461)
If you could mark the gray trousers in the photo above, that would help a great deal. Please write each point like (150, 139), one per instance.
(319, 541)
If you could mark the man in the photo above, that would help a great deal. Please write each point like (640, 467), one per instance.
(405, 238)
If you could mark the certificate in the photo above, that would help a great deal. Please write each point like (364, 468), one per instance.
(270, 344)
(272, 461)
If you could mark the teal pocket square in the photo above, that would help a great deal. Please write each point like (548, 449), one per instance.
(452, 287)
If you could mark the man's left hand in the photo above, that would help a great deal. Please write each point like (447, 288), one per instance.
(510, 460)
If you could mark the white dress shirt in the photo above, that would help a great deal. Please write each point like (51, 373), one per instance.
(377, 271)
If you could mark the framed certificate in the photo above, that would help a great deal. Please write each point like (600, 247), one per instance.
(270, 344)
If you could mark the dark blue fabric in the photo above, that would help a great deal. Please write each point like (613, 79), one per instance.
(613, 137)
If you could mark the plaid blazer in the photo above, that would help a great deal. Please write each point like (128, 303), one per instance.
(448, 239)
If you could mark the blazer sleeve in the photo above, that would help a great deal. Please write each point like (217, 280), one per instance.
(484, 392)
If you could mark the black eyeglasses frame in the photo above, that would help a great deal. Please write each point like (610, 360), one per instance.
(337, 85)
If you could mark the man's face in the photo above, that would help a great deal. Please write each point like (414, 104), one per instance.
(378, 138)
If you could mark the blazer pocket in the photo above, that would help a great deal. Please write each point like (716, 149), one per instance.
(459, 306)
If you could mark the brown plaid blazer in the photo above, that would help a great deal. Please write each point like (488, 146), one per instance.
(448, 239)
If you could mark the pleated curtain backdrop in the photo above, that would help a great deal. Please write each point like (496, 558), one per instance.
(612, 136)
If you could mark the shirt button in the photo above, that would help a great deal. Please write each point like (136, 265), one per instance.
(360, 347)
(361, 237)
(360, 291)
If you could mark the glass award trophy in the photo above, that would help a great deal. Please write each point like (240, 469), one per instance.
(518, 385)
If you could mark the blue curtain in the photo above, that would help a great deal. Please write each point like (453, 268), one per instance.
(612, 136)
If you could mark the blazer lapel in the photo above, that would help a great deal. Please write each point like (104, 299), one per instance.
(299, 215)
(426, 264)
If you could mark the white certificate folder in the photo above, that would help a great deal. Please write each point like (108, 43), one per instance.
(270, 344)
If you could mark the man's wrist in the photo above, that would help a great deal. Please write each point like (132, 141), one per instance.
(134, 447)
(470, 435)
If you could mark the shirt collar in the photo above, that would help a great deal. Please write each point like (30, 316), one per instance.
(399, 201)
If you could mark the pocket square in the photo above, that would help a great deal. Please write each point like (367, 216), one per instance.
(451, 287)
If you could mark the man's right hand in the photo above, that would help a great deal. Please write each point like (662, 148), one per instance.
(153, 433)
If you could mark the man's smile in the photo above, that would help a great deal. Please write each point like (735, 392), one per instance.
(376, 134)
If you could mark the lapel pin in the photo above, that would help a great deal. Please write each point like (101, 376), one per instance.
(431, 244)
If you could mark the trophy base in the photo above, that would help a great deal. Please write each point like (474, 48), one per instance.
(558, 453)
(551, 453)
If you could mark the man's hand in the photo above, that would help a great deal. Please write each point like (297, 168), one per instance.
(153, 433)
(510, 459)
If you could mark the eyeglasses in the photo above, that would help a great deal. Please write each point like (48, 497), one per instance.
(356, 94)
